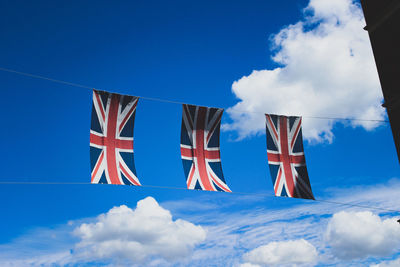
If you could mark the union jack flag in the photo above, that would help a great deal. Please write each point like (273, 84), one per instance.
(200, 148)
(286, 159)
(111, 139)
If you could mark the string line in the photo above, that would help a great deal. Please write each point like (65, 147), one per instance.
(184, 188)
(170, 101)
(177, 102)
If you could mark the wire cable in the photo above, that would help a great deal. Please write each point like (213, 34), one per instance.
(45, 78)
(172, 101)
(178, 102)
(184, 188)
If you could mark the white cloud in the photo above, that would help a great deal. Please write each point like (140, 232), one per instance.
(234, 233)
(137, 235)
(285, 252)
(59, 259)
(232, 230)
(354, 235)
(326, 70)
(248, 265)
(393, 263)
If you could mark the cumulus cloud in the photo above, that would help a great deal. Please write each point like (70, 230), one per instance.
(284, 252)
(326, 69)
(354, 235)
(232, 230)
(137, 235)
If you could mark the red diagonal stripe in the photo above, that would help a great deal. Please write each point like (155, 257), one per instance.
(188, 117)
(216, 123)
(100, 104)
(295, 134)
(128, 115)
(96, 168)
(220, 185)
(278, 180)
(191, 174)
(274, 132)
(127, 175)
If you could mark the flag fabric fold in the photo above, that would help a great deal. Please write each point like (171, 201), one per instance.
(286, 158)
(111, 139)
(200, 148)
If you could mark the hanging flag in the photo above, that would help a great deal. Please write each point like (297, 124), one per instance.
(111, 139)
(200, 148)
(286, 159)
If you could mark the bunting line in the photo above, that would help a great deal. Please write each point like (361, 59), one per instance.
(177, 102)
(184, 188)
(174, 101)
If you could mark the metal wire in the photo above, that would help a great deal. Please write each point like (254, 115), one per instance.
(177, 102)
(172, 101)
(183, 188)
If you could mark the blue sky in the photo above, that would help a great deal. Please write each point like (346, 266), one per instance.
(289, 57)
